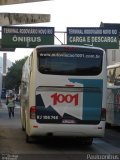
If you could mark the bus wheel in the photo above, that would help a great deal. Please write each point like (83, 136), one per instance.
(23, 129)
(107, 125)
(28, 139)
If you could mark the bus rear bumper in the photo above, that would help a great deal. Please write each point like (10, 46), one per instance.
(37, 129)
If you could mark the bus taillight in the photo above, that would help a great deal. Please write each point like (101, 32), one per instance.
(103, 114)
(32, 112)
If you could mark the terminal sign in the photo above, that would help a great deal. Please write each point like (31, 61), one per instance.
(26, 37)
(106, 38)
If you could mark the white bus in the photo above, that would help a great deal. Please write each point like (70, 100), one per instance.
(113, 95)
(63, 92)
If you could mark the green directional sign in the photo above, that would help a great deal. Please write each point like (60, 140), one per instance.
(27, 37)
(106, 38)
(6, 49)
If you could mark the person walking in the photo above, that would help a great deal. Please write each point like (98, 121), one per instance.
(11, 105)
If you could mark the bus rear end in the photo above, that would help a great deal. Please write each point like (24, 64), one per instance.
(70, 92)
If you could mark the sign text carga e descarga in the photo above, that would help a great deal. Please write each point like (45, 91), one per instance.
(93, 39)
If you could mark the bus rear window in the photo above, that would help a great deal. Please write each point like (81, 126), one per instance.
(70, 63)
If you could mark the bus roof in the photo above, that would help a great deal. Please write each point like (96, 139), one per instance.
(69, 46)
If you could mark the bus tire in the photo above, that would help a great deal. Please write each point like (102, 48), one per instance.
(23, 129)
(24, 126)
(107, 125)
(28, 138)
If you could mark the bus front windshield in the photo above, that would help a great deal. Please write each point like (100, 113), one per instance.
(70, 63)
